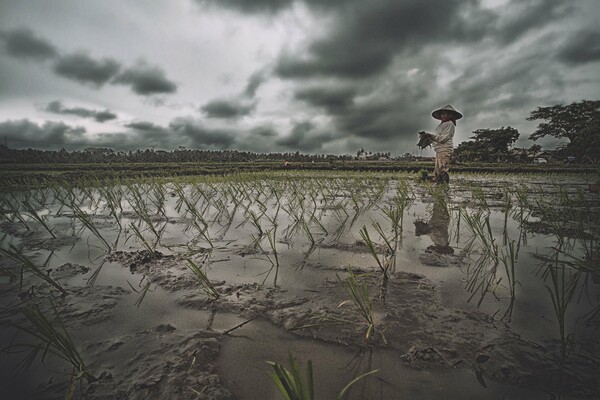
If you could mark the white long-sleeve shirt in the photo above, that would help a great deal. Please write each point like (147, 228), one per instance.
(442, 138)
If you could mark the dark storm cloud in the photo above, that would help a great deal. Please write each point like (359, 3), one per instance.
(582, 47)
(57, 107)
(511, 83)
(271, 7)
(226, 109)
(146, 80)
(332, 99)
(250, 6)
(526, 15)
(144, 126)
(85, 69)
(254, 82)
(366, 37)
(304, 137)
(379, 121)
(25, 44)
(26, 133)
(263, 131)
(381, 109)
(197, 135)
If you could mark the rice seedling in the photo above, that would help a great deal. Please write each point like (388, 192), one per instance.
(274, 260)
(87, 222)
(53, 339)
(140, 236)
(561, 293)
(113, 203)
(482, 271)
(294, 387)
(15, 213)
(198, 221)
(206, 285)
(381, 262)
(508, 258)
(92, 279)
(25, 263)
(32, 213)
(157, 198)
(142, 292)
(362, 301)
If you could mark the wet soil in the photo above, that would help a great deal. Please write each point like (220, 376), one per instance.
(179, 343)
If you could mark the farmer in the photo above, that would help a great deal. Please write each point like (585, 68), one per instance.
(441, 141)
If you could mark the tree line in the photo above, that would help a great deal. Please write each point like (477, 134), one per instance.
(181, 155)
(578, 123)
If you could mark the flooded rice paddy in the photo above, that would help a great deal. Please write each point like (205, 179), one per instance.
(186, 288)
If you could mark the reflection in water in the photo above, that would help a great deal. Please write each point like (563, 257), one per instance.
(437, 226)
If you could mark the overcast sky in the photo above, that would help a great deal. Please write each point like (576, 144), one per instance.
(318, 76)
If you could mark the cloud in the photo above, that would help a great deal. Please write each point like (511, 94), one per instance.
(226, 109)
(29, 134)
(146, 80)
(144, 126)
(254, 82)
(364, 39)
(143, 79)
(332, 99)
(84, 69)
(57, 107)
(263, 131)
(520, 17)
(581, 48)
(304, 137)
(25, 44)
(249, 6)
(198, 135)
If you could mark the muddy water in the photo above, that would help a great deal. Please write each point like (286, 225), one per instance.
(242, 362)
(298, 269)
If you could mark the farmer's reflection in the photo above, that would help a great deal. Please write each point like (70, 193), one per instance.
(437, 228)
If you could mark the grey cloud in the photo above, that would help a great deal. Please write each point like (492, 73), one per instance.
(146, 80)
(367, 36)
(227, 109)
(25, 44)
(144, 126)
(378, 121)
(57, 107)
(263, 131)
(199, 135)
(582, 47)
(102, 116)
(304, 137)
(527, 15)
(333, 99)
(353, 61)
(250, 6)
(254, 82)
(381, 109)
(82, 68)
(271, 7)
(26, 133)
(512, 83)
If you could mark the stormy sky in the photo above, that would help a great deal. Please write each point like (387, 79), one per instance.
(318, 76)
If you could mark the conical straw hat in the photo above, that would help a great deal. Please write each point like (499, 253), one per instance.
(447, 108)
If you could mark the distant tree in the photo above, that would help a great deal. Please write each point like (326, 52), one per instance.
(535, 148)
(577, 122)
(488, 145)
